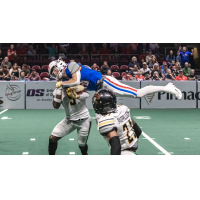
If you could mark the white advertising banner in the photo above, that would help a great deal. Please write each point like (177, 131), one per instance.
(39, 95)
(12, 95)
(166, 100)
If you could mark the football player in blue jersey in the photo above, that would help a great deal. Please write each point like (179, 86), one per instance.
(94, 80)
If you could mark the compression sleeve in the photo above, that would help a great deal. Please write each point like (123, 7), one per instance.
(115, 146)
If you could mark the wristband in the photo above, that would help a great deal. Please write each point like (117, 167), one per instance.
(57, 100)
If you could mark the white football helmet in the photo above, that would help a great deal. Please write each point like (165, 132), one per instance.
(56, 64)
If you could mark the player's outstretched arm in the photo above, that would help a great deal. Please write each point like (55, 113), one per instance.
(114, 141)
(75, 80)
(57, 98)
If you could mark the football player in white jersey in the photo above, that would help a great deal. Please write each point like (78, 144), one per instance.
(115, 123)
(77, 117)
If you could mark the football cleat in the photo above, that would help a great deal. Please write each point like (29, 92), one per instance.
(170, 88)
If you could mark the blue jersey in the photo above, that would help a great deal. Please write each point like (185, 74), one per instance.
(184, 57)
(89, 77)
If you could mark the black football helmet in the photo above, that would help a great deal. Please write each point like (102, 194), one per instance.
(104, 102)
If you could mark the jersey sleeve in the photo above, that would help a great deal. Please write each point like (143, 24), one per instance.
(84, 95)
(106, 124)
(73, 67)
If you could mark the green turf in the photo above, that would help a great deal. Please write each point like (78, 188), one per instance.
(169, 127)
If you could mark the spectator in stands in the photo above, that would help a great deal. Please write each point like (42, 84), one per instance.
(172, 67)
(134, 47)
(83, 50)
(34, 76)
(94, 67)
(6, 62)
(177, 69)
(145, 70)
(152, 62)
(1, 56)
(170, 76)
(139, 76)
(11, 53)
(104, 68)
(141, 63)
(31, 52)
(134, 71)
(127, 50)
(181, 77)
(21, 51)
(156, 76)
(164, 63)
(109, 73)
(143, 55)
(116, 51)
(186, 70)
(170, 58)
(126, 76)
(192, 76)
(132, 63)
(52, 51)
(164, 71)
(143, 46)
(184, 55)
(104, 51)
(62, 52)
(149, 56)
(157, 52)
(14, 72)
(25, 70)
(147, 77)
(22, 76)
(6, 73)
(156, 69)
(153, 46)
(1, 74)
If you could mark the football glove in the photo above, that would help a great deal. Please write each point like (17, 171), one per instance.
(58, 84)
(72, 91)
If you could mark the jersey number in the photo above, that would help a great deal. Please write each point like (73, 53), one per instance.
(73, 102)
(125, 128)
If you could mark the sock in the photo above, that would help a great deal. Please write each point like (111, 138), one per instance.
(150, 89)
(84, 149)
(52, 147)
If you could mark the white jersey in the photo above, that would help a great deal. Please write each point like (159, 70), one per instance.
(121, 120)
(74, 109)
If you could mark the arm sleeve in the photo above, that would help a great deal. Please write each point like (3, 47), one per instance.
(84, 95)
(77, 82)
(115, 146)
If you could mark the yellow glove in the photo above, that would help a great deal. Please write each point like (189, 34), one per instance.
(58, 84)
(71, 93)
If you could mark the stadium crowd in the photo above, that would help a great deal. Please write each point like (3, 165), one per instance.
(132, 61)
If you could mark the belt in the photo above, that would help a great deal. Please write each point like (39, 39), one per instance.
(77, 120)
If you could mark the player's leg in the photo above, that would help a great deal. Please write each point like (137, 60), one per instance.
(169, 88)
(118, 88)
(61, 129)
(121, 89)
(83, 131)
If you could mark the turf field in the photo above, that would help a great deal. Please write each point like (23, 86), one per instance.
(167, 131)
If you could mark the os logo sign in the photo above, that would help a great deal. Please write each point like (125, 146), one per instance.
(33, 92)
